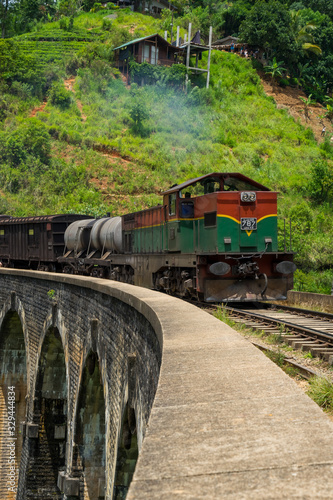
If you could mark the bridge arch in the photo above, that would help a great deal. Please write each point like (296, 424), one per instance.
(90, 441)
(48, 425)
(13, 391)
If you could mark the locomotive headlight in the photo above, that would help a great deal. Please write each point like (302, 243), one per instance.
(286, 267)
(248, 196)
(219, 268)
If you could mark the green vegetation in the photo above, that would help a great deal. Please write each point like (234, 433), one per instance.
(321, 391)
(98, 145)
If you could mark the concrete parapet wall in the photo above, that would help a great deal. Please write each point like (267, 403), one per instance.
(311, 300)
(225, 422)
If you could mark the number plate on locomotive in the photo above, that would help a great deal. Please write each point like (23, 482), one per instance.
(248, 223)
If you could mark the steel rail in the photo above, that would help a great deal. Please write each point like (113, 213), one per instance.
(302, 330)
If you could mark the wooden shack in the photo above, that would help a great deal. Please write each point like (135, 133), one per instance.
(152, 49)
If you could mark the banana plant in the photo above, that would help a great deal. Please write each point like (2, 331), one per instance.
(275, 69)
(307, 103)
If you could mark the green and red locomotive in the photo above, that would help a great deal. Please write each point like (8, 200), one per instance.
(215, 238)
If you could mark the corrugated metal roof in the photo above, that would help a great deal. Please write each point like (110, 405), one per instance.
(141, 39)
(42, 218)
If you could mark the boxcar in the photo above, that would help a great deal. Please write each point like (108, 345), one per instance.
(34, 242)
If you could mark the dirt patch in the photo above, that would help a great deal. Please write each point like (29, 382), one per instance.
(38, 109)
(69, 83)
(288, 98)
(111, 152)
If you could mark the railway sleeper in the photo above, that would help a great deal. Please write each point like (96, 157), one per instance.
(319, 352)
(272, 330)
(328, 357)
(314, 346)
(297, 344)
(289, 338)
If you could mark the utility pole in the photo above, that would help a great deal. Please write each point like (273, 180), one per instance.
(209, 52)
(188, 53)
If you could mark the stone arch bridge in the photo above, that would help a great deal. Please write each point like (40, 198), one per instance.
(94, 372)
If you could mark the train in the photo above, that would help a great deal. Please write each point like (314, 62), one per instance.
(214, 238)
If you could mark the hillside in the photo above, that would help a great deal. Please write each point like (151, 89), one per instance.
(75, 138)
(288, 98)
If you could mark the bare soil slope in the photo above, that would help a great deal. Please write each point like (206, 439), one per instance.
(289, 98)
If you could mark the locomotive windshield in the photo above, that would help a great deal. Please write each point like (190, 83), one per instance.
(236, 184)
(205, 186)
(215, 184)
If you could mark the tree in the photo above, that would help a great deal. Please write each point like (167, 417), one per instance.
(233, 14)
(323, 6)
(268, 26)
(7, 11)
(138, 110)
(302, 31)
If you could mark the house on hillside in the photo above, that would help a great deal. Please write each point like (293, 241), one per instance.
(153, 7)
(153, 49)
(225, 43)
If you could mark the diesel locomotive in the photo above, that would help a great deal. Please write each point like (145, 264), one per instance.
(214, 238)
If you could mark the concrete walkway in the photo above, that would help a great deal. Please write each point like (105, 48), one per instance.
(227, 422)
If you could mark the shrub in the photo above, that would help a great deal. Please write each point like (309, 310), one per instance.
(54, 132)
(107, 24)
(22, 90)
(293, 82)
(63, 23)
(301, 216)
(30, 138)
(321, 183)
(284, 82)
(97, 6)
(59, 96)
(138, 111)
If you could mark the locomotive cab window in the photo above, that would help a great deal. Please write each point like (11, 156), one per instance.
(211, 186)
(236, 184)
(200, 188)
(172, 204)
(187, 209)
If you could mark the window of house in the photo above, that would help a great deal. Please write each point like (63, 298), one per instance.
(154, 54)
(146, 53)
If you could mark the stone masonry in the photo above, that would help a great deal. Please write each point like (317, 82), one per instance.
(88, 321)
(215, 418)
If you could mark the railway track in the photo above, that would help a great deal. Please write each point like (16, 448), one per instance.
(305, 330)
